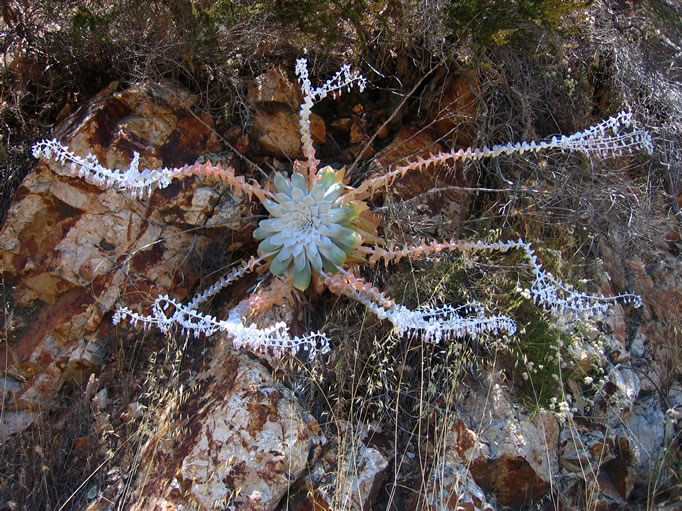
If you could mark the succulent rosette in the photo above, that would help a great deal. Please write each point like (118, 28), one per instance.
(310, 229)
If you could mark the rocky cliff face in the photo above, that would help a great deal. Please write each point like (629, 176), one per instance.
(235, 435)
(71, 251)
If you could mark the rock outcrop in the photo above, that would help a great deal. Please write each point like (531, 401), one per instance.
(233, 435)
(238, 440)
(72, 252)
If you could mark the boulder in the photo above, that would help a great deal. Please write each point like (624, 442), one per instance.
(275, 86)
(518, 455)
(450, 485)
(73, 252)
(484, 453)
(238, 439)
(276, 130)
(455, 111)
(425, 196)
(347, 476)
(604, 459)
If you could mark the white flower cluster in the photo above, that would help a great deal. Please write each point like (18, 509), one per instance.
(432, 324)
(548, 291)
(343, 79)
(445, 322)
(309, 229)
(606, 139)
(612, 137)
(275, 338)
(139, 182)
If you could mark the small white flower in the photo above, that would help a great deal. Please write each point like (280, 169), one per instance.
(309, 229)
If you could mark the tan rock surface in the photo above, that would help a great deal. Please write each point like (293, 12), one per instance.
(238, 437)
(275, 86)
(277, 131)
(455, 111)
(72, 252)
(440, 213)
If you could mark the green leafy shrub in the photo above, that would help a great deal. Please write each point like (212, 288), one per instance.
(505, 22)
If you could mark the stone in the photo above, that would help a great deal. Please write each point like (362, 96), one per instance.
(276, 130)
(350, 483)
(451, 486)
(455, 111)
(240, 439)
(615, 399)
(517, 457)
(358, 131)
(440, 213)
(359, 139)
(15, 421)
(484, 452)
(274, 86)
(647, 424)
(72, 252)
(604, 457)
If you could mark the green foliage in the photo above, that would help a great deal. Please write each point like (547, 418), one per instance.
(225, 12)
(210, 17)
(537, 356)
(330, 20)
(506, 22)
(87, 24)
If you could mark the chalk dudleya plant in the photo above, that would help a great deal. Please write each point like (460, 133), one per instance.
(309, 230)
(321, 229)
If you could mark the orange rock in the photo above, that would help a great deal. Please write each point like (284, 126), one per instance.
(358, 133)
(277, 132)
(275, 87)
(67, 246)
(440, 212)
(455, 111)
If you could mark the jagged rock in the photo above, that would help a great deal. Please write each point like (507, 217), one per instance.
(605, 459)
(274, 86)
(615, 399)
(453, 489)
(488, 446)
(359, 139)
(656, 342)
(14, 421)
(517, 456)
(276, 130)
(660, 286)
(648, 424)
(440, 213)
(341, 126)
(72, 251)
(276, 127)
(455, 111)
(350, 483)
(358, 132)
(239, 439)
(451, 486)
